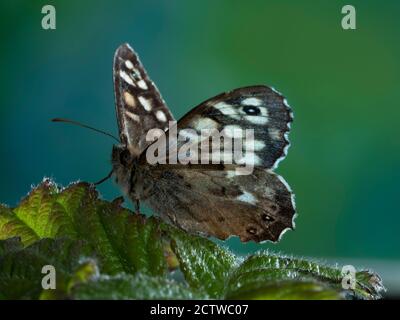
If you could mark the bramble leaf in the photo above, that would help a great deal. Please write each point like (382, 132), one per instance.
(205, 265)
(267, 273)
(21, 268)
(139, 286)
(123, 241)
(101, 250)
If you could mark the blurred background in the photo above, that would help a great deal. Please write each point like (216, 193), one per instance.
(343, 86)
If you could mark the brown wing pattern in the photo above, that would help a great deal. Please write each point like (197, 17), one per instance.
(259, 108)
(254, 207)
(139, 105)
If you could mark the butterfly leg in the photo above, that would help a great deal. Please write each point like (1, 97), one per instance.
(118, 201)
(137, 206)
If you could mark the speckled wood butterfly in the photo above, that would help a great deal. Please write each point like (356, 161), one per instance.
(205, 199)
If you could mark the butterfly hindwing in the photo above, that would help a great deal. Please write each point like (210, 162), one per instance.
(139, 105)
(220, 203)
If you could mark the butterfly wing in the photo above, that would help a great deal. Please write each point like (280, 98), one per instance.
(220, 203)
(213, 199)
(259, 108)
(139, 105)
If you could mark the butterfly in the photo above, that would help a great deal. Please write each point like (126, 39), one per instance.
(208, 200)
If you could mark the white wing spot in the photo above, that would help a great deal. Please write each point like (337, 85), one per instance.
(227, 110)
(129, 64)
(252, 102)
(257, 119)
(161, 116)
(126, 78)
(133, 116)
(250, 158)
(254, 145)
(129, 99)
(247, 197)
(274, 134)
(142, 84)
(146, 103)
(205, 123)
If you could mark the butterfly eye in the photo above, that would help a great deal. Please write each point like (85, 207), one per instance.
(125, 157)
(251, 110)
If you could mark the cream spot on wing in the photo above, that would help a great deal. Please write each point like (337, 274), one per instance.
(257, 119)
(128, 64)
(227, 110)
(142, 84)
(247, 197)
(160, 115)
(254, 145)
(205, 123)
(252, 101)
(129, 99)
(146, 103)
(275, 134)
(126, 78)
(250, 158)
(133, 116)
(222, 105)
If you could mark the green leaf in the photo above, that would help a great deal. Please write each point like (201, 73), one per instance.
(285, 290)
(123, 241)
(11, 226)
(205, 265)
(103, 251)
(21, 268)
(264, 270)
(139, 286)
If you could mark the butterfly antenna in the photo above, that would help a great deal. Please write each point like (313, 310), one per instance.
(104, 179)
(84, 126)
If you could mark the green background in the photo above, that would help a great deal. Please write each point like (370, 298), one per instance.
(343, 86)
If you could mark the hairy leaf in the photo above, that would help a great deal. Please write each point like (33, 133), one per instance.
(266, 267)
(205, 265)
(123, 241)
(21, 268)
(104, 251)
(139, 286)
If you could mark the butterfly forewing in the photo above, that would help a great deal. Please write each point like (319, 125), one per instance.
(258, 108)
(139, 105)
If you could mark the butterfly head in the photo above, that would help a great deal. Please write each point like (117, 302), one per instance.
(123, 163)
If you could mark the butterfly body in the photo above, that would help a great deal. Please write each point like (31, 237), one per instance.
(129, 175)
(210, 199)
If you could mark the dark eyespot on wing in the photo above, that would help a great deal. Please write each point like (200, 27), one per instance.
(258, 108)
